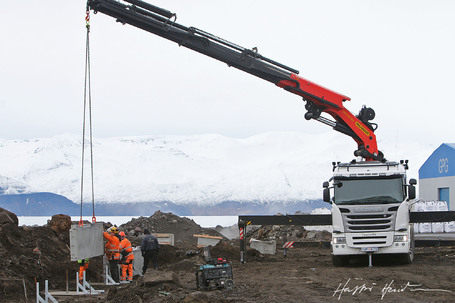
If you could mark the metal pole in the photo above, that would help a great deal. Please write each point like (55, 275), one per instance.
(25, 290)
(242, 243)
(46, 290)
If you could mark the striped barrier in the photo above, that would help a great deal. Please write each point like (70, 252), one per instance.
(288, 245)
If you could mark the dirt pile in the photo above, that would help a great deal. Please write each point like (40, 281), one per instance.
(182, 228)
(285, 233)
(7, 217)
(30, 253)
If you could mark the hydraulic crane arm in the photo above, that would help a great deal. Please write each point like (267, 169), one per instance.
(318, 99)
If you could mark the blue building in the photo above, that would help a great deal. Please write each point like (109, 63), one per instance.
(437, 176)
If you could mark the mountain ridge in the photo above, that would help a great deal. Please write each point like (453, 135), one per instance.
(47, 204)
(187, 171)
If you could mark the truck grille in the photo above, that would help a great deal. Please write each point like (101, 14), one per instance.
(371, 240)
(369, 222)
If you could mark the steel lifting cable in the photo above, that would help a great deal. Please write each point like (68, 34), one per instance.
(87, 96)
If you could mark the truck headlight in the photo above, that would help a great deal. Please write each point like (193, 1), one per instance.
(339, 240)
(403, 238)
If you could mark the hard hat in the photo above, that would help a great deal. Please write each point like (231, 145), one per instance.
(114, 229)
(122, 234)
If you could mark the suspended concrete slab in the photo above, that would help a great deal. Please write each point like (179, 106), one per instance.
(86, 241)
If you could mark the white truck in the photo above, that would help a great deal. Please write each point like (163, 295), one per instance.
(370, 210)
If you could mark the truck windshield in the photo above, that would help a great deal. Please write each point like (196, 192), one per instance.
(368, 190)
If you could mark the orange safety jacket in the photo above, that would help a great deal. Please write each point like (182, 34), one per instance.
(112, 247)
(126, 249)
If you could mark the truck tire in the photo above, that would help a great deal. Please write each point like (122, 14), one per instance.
(340, 260)
(409, 257)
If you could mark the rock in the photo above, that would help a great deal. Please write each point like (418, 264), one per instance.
(153, 277)
(8, 217)
(260, 234)
(137, 231)
(311, 234)
(60, 223)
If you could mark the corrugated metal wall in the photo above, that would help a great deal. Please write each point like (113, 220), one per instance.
(437, 176)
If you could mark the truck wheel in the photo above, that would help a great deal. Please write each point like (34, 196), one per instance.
(409, 257)
(340, 260)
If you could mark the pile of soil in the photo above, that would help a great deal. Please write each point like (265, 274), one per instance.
(183, 229)
(39, 253)
(282, 234)
(32, 254)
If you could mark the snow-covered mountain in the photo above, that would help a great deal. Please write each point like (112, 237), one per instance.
(13, 187)
(204, 169)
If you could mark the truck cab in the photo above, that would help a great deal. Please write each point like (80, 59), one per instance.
(370, 210)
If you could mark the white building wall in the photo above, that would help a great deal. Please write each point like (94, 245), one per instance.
(429, 189)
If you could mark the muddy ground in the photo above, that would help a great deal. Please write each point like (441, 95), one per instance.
(304, 275)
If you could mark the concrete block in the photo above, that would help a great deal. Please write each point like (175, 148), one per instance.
(204, 240)
(86, 241)
(264, 247)
(165, 239)
(138, 261)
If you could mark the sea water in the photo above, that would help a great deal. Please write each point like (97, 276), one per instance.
(203, 221)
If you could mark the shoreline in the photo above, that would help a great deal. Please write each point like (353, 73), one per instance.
(203, 221)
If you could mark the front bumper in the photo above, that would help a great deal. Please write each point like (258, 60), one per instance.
(354, 242)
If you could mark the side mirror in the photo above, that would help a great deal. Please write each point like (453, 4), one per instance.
(411, 192)
(412, 189)
(325, 184)
(326, 195)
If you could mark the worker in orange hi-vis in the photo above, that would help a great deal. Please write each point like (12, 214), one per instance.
(112, 252)
(127, 257)
(83, 266)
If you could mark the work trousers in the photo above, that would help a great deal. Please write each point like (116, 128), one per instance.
(113, 268)
(82, 268)
(150, 255)
(127, 267)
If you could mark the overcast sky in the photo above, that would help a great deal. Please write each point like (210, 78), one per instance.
(397, 57)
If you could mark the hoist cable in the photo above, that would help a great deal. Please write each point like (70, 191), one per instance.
(87, 97)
